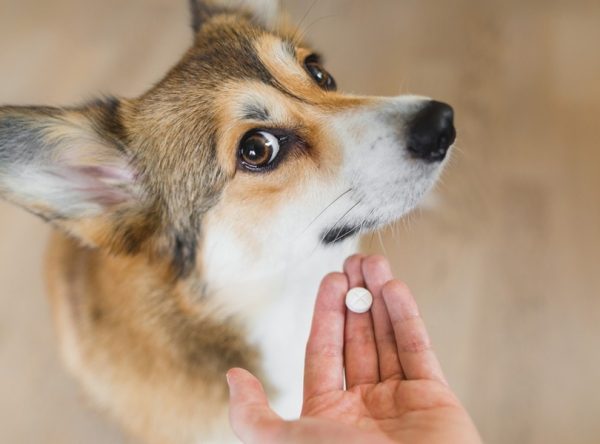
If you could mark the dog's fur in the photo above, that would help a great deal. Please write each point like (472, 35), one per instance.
(171, 263)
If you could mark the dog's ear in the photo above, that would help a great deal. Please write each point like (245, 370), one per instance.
(264, 12)
(201, 11)
(72, 168)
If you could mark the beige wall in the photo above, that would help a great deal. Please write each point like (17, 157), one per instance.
(504, 258)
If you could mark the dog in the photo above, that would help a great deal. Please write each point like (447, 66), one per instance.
(194, 223)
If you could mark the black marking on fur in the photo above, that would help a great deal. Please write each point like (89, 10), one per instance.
(254, 111)
(184, 254)
(282, 89)
(226, 53)
(22, 131)
(129, 237)
(18, 140)
(260, 70)
(109, 121)
(229, 53)
(339, 234)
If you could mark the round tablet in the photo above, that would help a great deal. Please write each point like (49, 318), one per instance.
(359, 300)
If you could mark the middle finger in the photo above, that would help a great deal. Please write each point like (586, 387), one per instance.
(360, 350)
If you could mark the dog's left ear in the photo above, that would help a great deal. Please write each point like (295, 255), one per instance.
(264, 12)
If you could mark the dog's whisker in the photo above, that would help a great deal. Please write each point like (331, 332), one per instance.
(333, 227)
(381, 242)
(320, 19)
(366, 220)
(326, 208)
(339, 220)
(295, 38)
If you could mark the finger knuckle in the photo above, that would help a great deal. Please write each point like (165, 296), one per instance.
(361, 336)
(327, 350)
(411, 337)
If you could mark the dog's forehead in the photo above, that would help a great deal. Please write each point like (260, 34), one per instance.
(230, 48)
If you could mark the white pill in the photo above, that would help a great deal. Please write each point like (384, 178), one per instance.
(359, 300)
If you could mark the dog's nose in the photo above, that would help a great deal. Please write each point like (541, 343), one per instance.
(431, 132)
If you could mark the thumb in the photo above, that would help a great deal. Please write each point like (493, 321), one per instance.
(250, 416)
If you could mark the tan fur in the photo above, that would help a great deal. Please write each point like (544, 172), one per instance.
(132, 338)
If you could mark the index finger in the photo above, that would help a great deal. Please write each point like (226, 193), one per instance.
(323, 368)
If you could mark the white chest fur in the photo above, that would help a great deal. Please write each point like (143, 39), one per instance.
(281, 329)
(274, 298)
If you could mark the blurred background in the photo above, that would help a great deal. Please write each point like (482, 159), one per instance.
(503, 257)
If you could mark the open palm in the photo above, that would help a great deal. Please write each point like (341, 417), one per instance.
(394, 392)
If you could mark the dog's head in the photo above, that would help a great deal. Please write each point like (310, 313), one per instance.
(245, 142)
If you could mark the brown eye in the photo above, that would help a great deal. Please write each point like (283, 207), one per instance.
(258, 150)
(319, 74)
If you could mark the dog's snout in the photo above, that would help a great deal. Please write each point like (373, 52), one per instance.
(431, 132)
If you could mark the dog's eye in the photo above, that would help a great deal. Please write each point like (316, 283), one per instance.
(319, 74)
(258, 150)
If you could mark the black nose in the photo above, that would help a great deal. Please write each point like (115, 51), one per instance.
(431, 132)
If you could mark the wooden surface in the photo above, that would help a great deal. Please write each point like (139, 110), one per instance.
(504, 257)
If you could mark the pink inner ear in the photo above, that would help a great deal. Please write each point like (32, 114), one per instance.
(107, 173)
(102, 185)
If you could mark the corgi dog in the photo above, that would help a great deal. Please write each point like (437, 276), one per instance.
(194, 223)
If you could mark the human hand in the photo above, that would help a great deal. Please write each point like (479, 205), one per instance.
(395, 389)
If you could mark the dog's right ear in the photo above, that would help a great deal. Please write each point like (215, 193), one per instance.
(72, 168)
(264, 12)
(200, 11)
